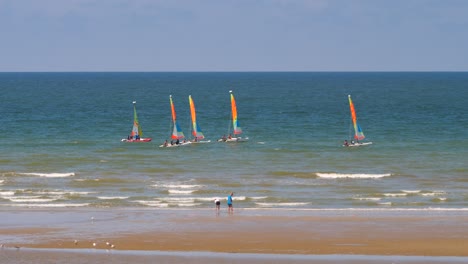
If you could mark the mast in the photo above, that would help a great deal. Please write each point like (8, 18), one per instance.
(136, 130)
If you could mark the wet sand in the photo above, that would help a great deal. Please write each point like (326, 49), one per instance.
(288, 232)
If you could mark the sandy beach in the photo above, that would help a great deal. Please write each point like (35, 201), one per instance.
(290, 233)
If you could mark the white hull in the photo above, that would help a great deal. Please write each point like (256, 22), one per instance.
(201, 141)
(358, 144)
(176, 145)
(168, 146)
(234, 139)
(136, 140)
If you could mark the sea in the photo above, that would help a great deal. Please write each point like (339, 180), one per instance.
(60, 143)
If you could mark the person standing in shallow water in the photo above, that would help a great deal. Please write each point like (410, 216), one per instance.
(218, 204)
(229, 203)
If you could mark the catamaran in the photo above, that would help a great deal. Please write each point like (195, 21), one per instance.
(235, 125)
(177, 136)
(136, 135)
(196, 131)
(358, 134)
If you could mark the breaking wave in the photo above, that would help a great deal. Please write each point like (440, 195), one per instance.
(352, 176)
(49, 175)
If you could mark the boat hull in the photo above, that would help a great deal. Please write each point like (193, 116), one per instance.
(175, 145)
(136, 140)
(358, 144)
(201, 141)
(234, 139)
(168, 146)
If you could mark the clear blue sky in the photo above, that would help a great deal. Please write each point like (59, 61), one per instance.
(233, 35)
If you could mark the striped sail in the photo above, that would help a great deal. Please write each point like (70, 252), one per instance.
(136, 130)
(176, 131)
(196, 131)
(235, 122)
(358, 134)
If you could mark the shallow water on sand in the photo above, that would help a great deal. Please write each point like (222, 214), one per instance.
(96, 256)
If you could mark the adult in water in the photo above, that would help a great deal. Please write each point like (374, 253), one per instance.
(229, 203)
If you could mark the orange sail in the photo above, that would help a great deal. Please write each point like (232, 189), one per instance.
(235, 122)
(196, 131)
(176, 132)
(358, 134)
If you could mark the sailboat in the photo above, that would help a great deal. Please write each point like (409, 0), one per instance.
(358, 134)
(235, 125)
(196, 131)
(177, 134)
(136, 135)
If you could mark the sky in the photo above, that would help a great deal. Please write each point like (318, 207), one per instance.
(233, 35)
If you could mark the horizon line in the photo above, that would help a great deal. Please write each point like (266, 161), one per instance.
(275, 71)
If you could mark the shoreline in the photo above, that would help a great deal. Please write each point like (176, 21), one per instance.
(291, 232)
(73, 256)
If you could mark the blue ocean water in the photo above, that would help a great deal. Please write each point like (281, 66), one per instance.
(61, 132)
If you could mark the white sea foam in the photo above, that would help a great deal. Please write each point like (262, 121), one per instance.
(395, 194)
(442, 198)
(179, 192)
(31, 200)
(258, 197)
(82, 180)
(280, 204)
(152, 203)
(1, 182)
(49, 175)
(386, 203)
(177, 200)
(56, 192)
(367, 198)
(188, 204)
(411, 191)
(7, 193)
(180, 186)
(352, 176)
(78, 193)
(210, 199)
(20, 198)
(434, 193)
(112, 197)
(50, 205)
(48, 192)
